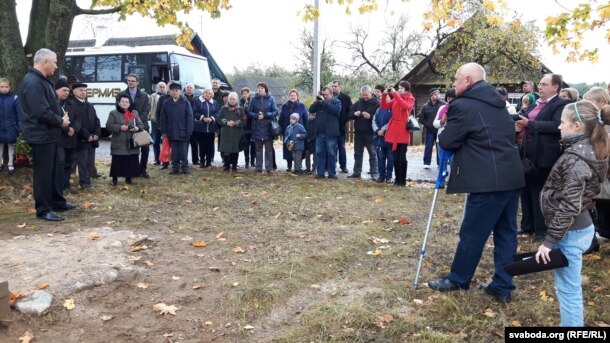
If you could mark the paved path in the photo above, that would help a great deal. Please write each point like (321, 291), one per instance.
(415, 170)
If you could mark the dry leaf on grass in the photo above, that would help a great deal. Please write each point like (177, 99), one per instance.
(27, 337)
(249, 327)
(418, 301)
(383, 319)
(220, 235)
(215, 208)
(42, 286)
(545, 297)
(199, 244)
(149, 263)
(516, 323)
(375, 253)
(197, 286)
(69, 304)
(107, 317)
(165, 309)
(88, 205)
(489, 313)
(94, 236)
(209, 323)
(168, 334)
(139, 248)
(404, 221)
(238, 250)
(277, 215)
(13, 297)
(379, 200)
(21, 225)
(142, 285)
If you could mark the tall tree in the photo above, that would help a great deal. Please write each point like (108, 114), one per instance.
(394, 54)
(304, 58)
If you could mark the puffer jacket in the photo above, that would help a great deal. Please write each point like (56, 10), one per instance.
(571, 186)
(261, 128)
(9, 118)
(205, 109)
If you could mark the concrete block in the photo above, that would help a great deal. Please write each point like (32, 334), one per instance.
(3, 287)
(5, 307)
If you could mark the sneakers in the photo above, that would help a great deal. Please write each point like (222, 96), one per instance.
(426, 166)
(11, 170)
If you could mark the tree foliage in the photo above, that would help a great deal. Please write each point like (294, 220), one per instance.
(304, 62)
(567, 29)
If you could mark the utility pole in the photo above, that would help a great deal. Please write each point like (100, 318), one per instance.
(316, 53)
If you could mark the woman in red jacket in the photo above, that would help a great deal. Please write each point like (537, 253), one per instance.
(397, 134)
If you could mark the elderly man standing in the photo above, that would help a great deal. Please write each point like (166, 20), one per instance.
(486, 164)
(42, 120)
(141, 103)
(362, 113)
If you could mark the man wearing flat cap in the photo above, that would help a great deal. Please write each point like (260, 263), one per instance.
(87, 136)
(426, 117)
(62, 90)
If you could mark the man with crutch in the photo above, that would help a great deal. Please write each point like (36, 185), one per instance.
(486, 165)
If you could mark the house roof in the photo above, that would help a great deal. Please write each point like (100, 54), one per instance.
(278, 88)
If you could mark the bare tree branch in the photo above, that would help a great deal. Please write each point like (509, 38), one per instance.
(96, 12)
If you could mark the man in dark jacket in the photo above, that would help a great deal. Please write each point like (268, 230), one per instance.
(87, 136)
(541, 147)
(327, 110)
(486, 164)
(362, 113)
(142, 105)
(42, 120)
(426, 116)
(62, 90)
(189, 94)
(346, 104)
(176, 122)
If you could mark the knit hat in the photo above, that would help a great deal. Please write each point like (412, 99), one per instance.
(433, 90)
(295, 116)
(61, 83)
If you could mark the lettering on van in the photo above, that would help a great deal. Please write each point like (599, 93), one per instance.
(103, 92)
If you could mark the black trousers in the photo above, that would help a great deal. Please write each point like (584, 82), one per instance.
(68, 162)
(195, 143)
(531, 214)
(230, 160)
(400, 164)
(144, 152)
(48, 163)
(250, 151)
(206, 148)
(603, 217)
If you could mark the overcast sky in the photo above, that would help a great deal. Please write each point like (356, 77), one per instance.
(266, 32)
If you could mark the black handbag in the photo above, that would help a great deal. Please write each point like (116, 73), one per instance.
(276, 129)
(412, 124)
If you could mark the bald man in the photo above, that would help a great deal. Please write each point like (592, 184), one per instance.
(486, 165)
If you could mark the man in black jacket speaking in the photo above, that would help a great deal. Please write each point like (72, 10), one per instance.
(486, 165)
(42, 120)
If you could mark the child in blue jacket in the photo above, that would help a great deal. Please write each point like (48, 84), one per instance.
(294, 140)
(9, 123)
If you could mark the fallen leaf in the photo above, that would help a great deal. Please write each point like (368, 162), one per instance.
(278, 215)
(516, 323)
(249, 327)
(197, 286)
(139, 248)
(383, 319)
(254, 202)
(42, 286)
(220, 235)
(168, 334)
(404, 221)
(21, 225)
(149, 263)
(418, 301)
(545, 297)
(591, 303)
(209, 323)
(379, 200)
(378, 241)
(175, 278)
(135, 258)
(88, 205)
(592, 257)
(93, 236)
(106, 317)
(215, 208)
(235, 284)
(367, 221)
(27, 337)
(375, 253)
(165, 309)
(31, 210)
(489, 313)
(199, 244)
(69, 304)
(238, 250)
(13, 297)
(142, 285)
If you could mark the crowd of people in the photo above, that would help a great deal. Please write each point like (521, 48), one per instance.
(550, 152)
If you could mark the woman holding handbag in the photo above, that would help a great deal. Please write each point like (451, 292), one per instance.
(122, 123)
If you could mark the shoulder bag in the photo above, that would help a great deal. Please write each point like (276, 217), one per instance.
(140, 138)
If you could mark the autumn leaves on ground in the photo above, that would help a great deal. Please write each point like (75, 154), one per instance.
(247, 257)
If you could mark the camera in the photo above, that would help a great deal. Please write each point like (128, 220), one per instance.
(389, 90)
(130, 127)
(319, 98)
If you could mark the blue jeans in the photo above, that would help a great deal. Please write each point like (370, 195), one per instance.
(486, 213)
(567, 280)
(342, 153)
(156, 135)
(326, 155)
(385, 160)
(429, 142)
(179, 153)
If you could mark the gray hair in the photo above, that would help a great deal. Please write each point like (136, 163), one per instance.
(233, 95)
(365, 88)
(43, 54)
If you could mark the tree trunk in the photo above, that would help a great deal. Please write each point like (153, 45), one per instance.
(12, 64)
(37, 26)
(61, 15)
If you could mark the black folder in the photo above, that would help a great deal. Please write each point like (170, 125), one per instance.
(526, 263)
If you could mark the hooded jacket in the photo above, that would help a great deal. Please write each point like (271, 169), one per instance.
(570, 188)
(9, 118)
(482, 135)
